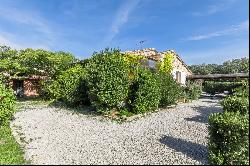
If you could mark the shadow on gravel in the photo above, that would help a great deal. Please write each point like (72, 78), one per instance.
(81, 109)
(204, 113)
(193, 150)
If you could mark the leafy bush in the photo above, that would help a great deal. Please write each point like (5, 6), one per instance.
(229, 142)
(213, 87)
(107, 80)
(166, 66)
(144, 93)
(170, 90)
(7, 104)
(236, 104)
(70, 86)
(192, 91)
(243, 90)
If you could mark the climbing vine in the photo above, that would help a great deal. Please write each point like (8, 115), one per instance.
(166, 65)
(133, 60)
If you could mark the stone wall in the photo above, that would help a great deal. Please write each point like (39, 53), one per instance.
(31, 88)
(150, 53)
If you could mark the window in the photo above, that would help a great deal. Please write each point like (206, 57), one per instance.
(178, 76)
(151, 63)
(18, 87)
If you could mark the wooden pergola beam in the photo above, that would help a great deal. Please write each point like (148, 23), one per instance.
(219, 76)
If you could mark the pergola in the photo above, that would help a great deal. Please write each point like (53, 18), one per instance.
(219, 76)
(202, 78)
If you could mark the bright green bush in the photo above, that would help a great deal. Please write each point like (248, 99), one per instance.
(170, 90)
(7, 104)
(70, 86)
(107, 80)
(144, 93)
(228, 142)
(236, 104)
(192, 91)
(243, 90)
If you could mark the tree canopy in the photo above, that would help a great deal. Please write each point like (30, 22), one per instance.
(34, 62)
(228, 67)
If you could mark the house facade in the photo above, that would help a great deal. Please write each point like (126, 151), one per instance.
(26, 86)
(180, 69)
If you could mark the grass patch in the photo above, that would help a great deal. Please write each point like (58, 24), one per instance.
(10, 150)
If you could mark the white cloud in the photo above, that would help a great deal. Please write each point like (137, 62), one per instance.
(8, 39)
(212, 9)
(244, 26)
(121, 18)
(30, 19)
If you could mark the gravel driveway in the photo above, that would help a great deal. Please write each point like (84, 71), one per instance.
(177, 135)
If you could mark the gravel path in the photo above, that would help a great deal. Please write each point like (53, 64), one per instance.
(170, 136)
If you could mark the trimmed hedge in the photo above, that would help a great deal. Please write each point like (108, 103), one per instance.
(236, 104)
(229, 141)
(70, 86)
(7, 104)
(213, 87)
(144, 93)
(170, 90)
(107, 80)
(192, 91)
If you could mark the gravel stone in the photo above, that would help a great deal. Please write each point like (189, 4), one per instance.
(169, 136)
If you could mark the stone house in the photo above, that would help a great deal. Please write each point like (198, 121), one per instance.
(180, 69)
(28, 86)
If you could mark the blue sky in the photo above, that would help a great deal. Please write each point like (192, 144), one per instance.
(200, 31)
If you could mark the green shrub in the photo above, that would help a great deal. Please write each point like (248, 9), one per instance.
(229, 142)
(7, 104)
(213, 87)
(243, 90)
(170, 90)
(144, 93)
(70, 86)
(193, 91)
(236, 104)
(107, 80)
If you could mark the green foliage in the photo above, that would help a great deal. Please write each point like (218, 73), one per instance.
(2, 78)
(8, 59)
(43, 62)
(133, 60)
(236, 66)
(144, 93)
(229, 131)
(70, 86)
(238, 101)
(236, 104)
(229, 141)
(213, 87)
(231, 66)
(170, 90)
(7, 104)
(37, 62)
(204, 69)
(243, 90)
(108, 80)
(192, 90)
(166, 66)
(10, 151)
